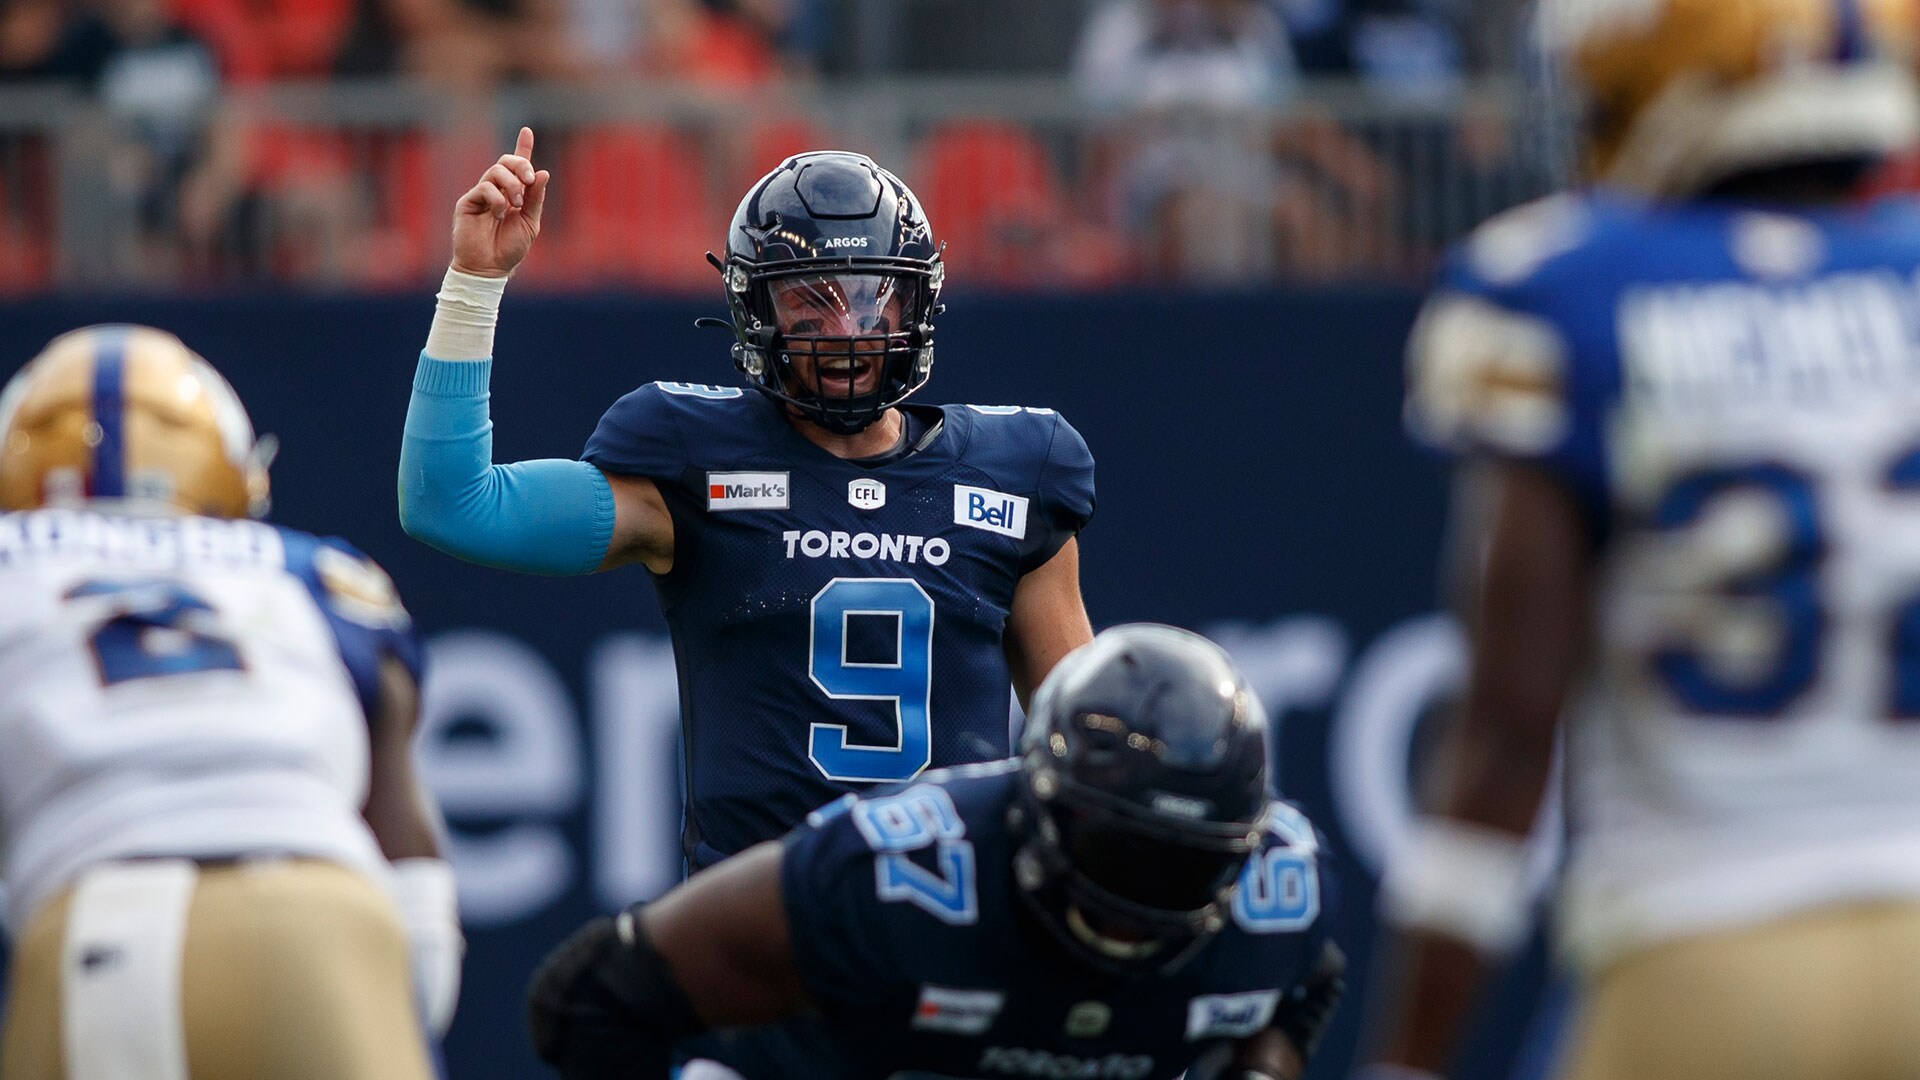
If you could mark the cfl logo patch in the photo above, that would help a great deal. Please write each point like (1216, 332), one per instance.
(866, 494)
(994, 511)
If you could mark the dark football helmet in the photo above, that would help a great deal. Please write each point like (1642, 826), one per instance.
(1144, 768)
(831, 259)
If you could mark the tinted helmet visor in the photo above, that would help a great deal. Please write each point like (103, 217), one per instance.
(1144, 871)
(842, 304)
(847, 342)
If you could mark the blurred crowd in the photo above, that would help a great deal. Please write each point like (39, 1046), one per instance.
(200, 44)
(1194, 156)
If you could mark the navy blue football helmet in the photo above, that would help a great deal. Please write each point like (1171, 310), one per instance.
(831, 259)
(1144, 767)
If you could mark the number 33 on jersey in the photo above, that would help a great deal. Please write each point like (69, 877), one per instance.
(839, 623)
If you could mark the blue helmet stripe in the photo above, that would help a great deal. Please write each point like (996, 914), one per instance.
(1850, 32)
(109, 411)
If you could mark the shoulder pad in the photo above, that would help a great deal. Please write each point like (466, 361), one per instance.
(1479, 374)
(357, 589)
(1286, 823)
(699, 390)
(1514, 246)
(1010, 410)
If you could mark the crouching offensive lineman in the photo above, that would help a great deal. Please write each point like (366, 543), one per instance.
(1122, 900)
(204, 727)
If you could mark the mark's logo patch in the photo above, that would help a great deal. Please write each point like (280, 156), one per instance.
(748, 491)
(994, 511)
(1230, 1016)
(867, 494)
(957, 1012)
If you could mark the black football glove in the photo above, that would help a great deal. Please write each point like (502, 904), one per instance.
(603, 1005)
(1304, 1014)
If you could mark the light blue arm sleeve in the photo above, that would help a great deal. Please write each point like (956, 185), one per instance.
(540, 517)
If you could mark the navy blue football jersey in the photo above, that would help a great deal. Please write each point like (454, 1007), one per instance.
(838, 624)
(909, 934)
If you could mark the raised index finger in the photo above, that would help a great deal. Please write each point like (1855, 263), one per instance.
(524, 145)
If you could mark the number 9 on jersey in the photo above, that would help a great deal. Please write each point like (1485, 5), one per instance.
(906, 680)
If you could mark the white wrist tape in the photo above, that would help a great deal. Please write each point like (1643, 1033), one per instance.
(466, 310)
(430, 912)
(1463, 881)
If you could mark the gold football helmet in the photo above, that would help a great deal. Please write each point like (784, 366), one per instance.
(1678, 94)
(128, 416)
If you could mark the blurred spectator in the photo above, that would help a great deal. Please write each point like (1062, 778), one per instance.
(178, 160)
(31, 31)
(473, 44)
(1409, 47)
(713, 46)
(730, 45)
(1318, 32)
(708, 44)
(1163, 53)
(261, 39)
(1219, 188)
(1407, 51)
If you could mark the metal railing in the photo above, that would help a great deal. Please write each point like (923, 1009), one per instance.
(350, 185)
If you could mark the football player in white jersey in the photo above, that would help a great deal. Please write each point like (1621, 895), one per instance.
(218, 861)
(1687, 402)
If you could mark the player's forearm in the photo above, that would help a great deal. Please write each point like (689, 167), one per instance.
(1456, 894)
(1529, 609)
(1429, 986)
(1268, 1055)
(544, 517)
(1459, 891)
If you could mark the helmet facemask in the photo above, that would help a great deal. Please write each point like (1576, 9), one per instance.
(1120, 891)
(842, 244)
(805, 326)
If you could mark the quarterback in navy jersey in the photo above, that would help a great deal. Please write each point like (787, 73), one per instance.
(852, 581)
(1123, 900)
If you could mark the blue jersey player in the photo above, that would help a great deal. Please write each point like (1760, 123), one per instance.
(1123, 900)
(852, 581)
(1687, 408)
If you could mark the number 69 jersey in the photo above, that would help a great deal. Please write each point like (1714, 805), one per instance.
(1735, 395)
(183, 686)
(909, 932)
(838, 624)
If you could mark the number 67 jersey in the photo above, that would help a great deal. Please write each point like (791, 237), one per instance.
(1735, 395)
(184, 686)
(838, 623)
